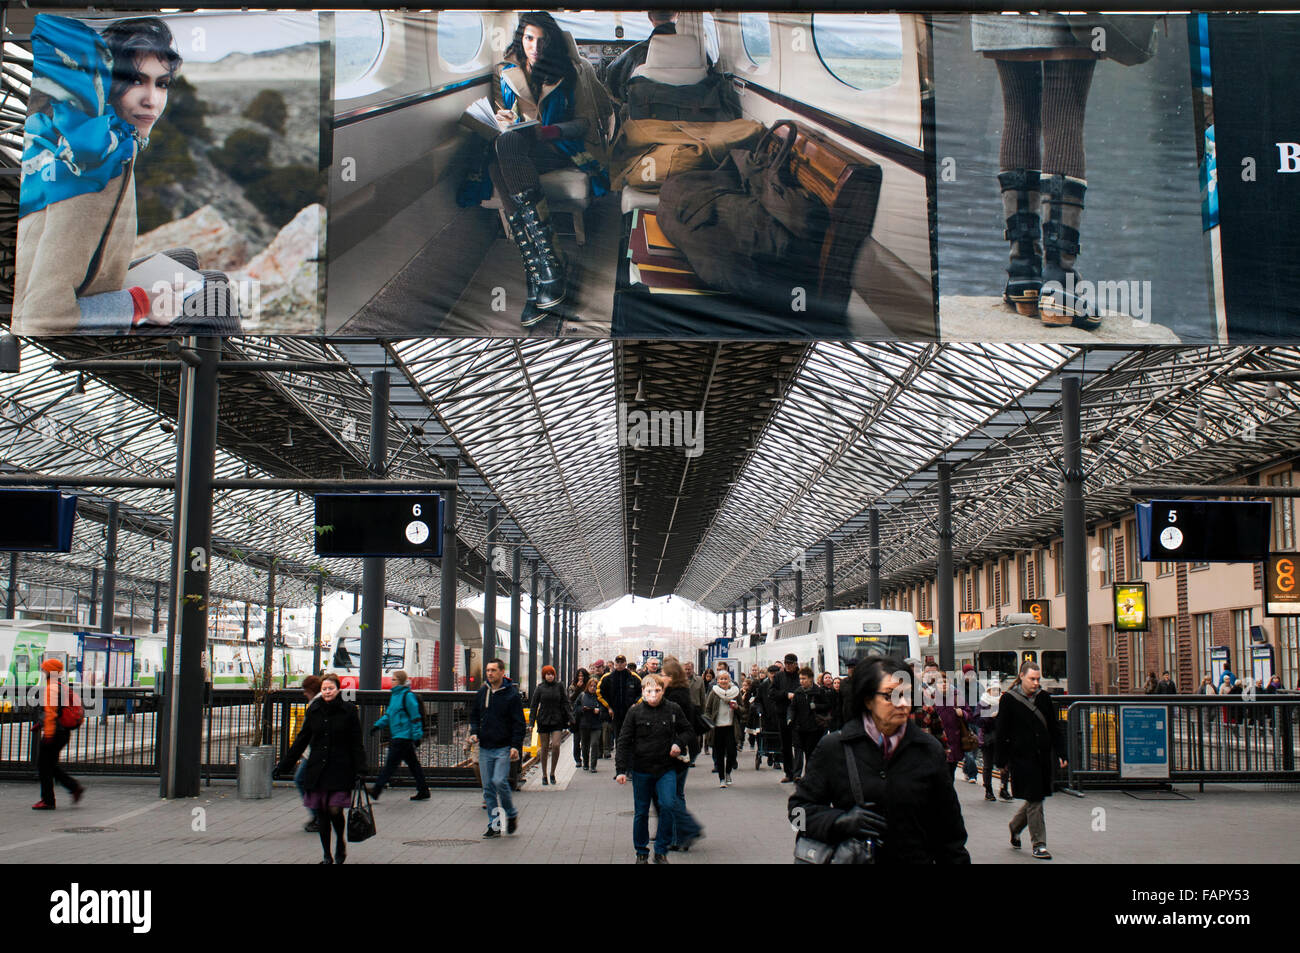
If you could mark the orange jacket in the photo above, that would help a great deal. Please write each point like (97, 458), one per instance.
(50, 714)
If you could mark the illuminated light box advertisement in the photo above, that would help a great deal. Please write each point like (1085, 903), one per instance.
(171, 176)
(925, 628)
(1131, 607)
(1040, 609)
(970, 621)
(1282, 584)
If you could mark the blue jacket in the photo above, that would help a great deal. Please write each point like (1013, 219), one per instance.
(402, 717)
(497, 717)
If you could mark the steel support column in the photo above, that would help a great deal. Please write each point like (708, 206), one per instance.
(776, 604)
(269, 635)
(798, 593)
(157, 605)
(180, 755)
(943, 573)
(447, 597)
(873, 581)
(94, 598)
(109, 612)
(744, 615)
(316, 626)
(828, 602)
(532, 625)
(490, 590)
(546, 624)
(516, 565)
(11, 597)
(1075, 544)
(373, 567)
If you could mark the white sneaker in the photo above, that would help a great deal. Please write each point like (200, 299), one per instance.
(973, 780)
(722, 784)
(728, 781)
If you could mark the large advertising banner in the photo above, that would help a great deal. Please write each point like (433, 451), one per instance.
(631, 174)
(171, 176)
(1081, 178)
(1252, 61)
(1068, 156)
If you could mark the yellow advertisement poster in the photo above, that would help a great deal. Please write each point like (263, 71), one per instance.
(1131, 607)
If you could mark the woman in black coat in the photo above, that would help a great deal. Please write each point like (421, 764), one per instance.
(909, 807)
(338, 758)
(552, 714)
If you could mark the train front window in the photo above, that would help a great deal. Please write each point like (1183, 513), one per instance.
(862, 50)
(1002, 664)
(348, 653)
(859, 648)
(1054, 665)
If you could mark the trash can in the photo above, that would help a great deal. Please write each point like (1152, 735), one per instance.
(254, 766)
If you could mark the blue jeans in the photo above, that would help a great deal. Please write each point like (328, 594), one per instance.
(692, 826)
(663, 787)
(494, 766)
(968, 766)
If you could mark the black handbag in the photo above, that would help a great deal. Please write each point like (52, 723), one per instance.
(809, 850)
(1129, 40)
(361, 816)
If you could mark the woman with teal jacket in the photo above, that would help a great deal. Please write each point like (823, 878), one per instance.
(405, 723)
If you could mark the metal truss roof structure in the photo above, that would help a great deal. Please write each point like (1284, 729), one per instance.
(799, 442)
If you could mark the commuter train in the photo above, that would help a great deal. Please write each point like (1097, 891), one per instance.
(413, 643)
(828, 641)
(410, 253)
(1002, 649)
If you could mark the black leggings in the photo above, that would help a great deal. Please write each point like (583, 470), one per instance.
(724, 750)
(518, 160)
(1047, 100)
(325, 819)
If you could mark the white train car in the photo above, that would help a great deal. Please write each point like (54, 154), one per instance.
(828, 641)
(413, 643)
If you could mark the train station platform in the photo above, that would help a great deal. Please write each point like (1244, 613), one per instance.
(588, 819)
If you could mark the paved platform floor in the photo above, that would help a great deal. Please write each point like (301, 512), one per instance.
(588, 818)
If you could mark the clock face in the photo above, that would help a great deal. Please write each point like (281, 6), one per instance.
(416, 532)
(1171, 537)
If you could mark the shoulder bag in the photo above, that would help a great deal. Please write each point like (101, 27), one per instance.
(809, 850)
(361, 816)
(1129, 40)
(968, 740)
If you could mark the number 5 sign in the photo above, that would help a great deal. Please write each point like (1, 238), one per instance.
(1282, 584)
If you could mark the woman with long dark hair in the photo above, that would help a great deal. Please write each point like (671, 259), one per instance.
(576, 688)
(539, 81)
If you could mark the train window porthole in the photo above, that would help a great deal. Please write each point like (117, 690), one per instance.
(862, 50)
(756, 35)
(460, 36)
(711, 44)
(358, 41)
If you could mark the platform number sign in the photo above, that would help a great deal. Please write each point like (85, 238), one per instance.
(391, 525)
(1203, 530)
(1282, 584)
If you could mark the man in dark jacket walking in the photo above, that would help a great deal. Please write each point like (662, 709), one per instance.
(780, 693)
(496, 723)
(1166, 685)
(1028, 735)
(618, 691)
(655, 736)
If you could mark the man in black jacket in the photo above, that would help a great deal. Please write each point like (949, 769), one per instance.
(618, 691)
(780, 693)
(1166, 685)
(496, 723)
(651, 744)
(909, 806)
(1028, 734)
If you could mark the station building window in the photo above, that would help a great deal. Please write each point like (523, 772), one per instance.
(1169, 646)
(1133, 563)
(1105, 555)
(1283, 516)
(1204, 641)
(862, 50)
(1288, 637)
(1166, 569)
(756, 35)
(1058, 560)
(1241, 620)
(1006, 582)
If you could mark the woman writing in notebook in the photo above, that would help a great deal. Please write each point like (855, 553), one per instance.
(538, 81)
